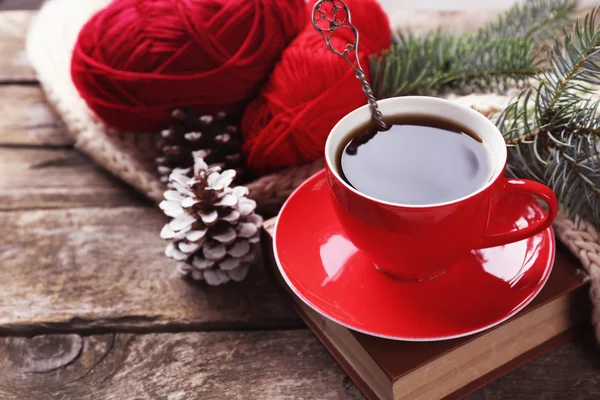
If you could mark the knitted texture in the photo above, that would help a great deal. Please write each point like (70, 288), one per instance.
(49, 45)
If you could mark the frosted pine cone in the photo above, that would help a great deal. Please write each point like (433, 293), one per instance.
(214, 231)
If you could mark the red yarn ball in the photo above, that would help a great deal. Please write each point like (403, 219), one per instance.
(309, 91)
(137, 60)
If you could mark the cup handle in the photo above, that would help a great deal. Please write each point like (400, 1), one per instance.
(534, 189)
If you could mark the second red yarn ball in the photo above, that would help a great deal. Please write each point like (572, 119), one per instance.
(309, 91)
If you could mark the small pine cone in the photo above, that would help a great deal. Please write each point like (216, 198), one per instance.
(216, 137)
(214, 232)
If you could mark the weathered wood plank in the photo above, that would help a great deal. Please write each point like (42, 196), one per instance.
(249, 365)
(219, 365)
(104, 269)
(27, 119)
(14, 63)
(40, 178)
(20, 4)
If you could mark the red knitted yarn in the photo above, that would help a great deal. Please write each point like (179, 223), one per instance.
(309, 91)
(136, 60)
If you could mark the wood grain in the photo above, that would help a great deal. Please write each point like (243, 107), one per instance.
(33, 178)
(221, 365)
(245, 365)
(91, 269)
(27, 119)
(14, 63)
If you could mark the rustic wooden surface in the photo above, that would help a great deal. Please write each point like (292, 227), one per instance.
(28, 120)
(90, 309)
(286, 364)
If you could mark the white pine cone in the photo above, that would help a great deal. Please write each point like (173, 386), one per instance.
(214, 232)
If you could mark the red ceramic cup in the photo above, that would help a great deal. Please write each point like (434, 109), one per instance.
(419, 242)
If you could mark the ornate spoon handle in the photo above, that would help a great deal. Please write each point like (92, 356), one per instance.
(327, 17)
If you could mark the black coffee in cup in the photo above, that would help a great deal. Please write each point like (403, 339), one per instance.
(421, 160)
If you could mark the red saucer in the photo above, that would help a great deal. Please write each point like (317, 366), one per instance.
(329, 274)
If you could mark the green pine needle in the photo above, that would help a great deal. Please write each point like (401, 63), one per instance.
(553, 129)
(437, 63)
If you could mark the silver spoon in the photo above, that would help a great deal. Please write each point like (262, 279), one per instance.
(326, 22)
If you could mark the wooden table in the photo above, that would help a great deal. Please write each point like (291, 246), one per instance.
(91, 309)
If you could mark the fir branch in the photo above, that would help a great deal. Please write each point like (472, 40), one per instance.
(532, 19)
(576, 185)
(525, 138)
(553, 129)
(431, 64)
(501, 53)
(573, 65)
(595, 130)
